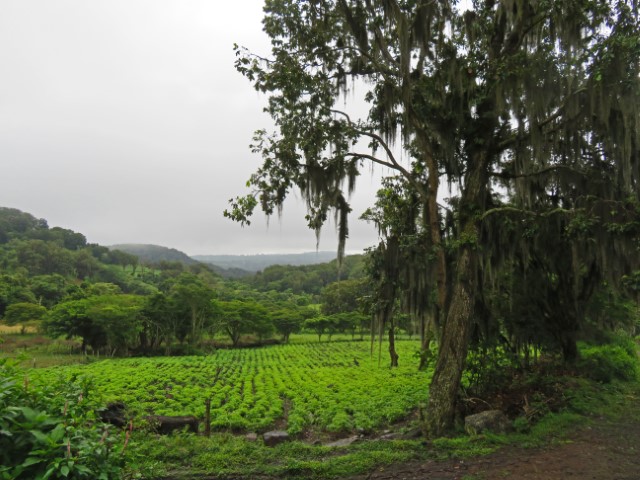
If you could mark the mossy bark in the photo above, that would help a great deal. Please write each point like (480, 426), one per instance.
(454, 341)
(452, 355)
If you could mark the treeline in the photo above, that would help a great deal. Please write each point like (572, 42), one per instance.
(116, 304)
(255, 263)
(310, 279)
(154, 253)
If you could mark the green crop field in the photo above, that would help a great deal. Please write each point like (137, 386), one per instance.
(338, 386)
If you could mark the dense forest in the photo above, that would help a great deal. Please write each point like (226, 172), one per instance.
(120, 304)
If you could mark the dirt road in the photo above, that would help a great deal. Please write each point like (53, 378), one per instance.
(607, 450)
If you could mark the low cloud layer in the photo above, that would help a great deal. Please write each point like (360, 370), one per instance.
(126, 121)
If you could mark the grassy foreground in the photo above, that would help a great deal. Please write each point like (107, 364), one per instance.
(318, 392)
(231, 456)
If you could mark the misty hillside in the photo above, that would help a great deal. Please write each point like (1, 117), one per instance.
(154, 253)
(228, 266)
(255, 263)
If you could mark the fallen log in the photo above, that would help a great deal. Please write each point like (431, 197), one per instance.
(164, 425)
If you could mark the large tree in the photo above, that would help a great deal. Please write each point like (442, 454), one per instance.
(192, 299)
(527, 109)
(23, 314)
(108, 322)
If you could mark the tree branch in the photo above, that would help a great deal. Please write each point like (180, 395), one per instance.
(394, 163)
(510, 176)
(529, 213)
(372, 158)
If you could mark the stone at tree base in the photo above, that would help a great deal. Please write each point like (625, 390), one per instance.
(275, 437)
(343, 442)
(251, 437)
(491, 420)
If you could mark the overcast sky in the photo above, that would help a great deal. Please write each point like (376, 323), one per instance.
(126, 121)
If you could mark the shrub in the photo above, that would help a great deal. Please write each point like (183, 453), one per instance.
(52, 434)
(605, 363)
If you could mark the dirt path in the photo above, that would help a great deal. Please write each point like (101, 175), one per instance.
(607, 450)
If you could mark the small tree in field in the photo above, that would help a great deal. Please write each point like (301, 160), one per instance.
(286, 322)
(24, 314)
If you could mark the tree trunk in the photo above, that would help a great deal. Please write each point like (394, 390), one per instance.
(454, 341)
(452, 355)
(425, 350)
(392, 347)
(569, 347)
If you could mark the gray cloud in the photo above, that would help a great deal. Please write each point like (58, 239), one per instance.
(125, 120)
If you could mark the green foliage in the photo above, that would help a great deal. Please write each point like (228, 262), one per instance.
(48, 289)
(14, 223)
(287, 321)
(107, 321)
(326, 386)
(343, 296)
(14, 289)
(228, 456)
(310, 279)
(51, 432)
(23, 313)
(606, 363)
(239, 317)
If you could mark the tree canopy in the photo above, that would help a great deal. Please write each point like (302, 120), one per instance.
(526, 110)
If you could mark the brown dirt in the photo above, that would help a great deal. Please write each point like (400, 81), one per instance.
(607, 450)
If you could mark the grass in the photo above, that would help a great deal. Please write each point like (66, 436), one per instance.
(37, 351)
(228, 455)
(15, 329)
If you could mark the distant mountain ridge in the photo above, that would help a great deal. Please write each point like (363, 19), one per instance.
(229, 266)
(255, 263)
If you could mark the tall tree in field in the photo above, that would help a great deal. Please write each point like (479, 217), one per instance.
(193, 298)
(536, 99)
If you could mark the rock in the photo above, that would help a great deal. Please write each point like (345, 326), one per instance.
(343, 442)
(275, 437)
(491, 420)
(392, 436)
(251, 437)
(412, 434)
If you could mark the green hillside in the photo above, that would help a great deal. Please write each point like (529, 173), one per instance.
(154, 253)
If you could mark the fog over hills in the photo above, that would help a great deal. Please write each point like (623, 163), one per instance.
(254, 263)
(226, 265)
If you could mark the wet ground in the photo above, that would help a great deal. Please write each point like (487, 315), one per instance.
(606, 450)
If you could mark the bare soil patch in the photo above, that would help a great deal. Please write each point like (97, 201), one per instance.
(606, 450)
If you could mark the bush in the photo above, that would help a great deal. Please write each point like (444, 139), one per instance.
(53, 434)
(605, 363)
